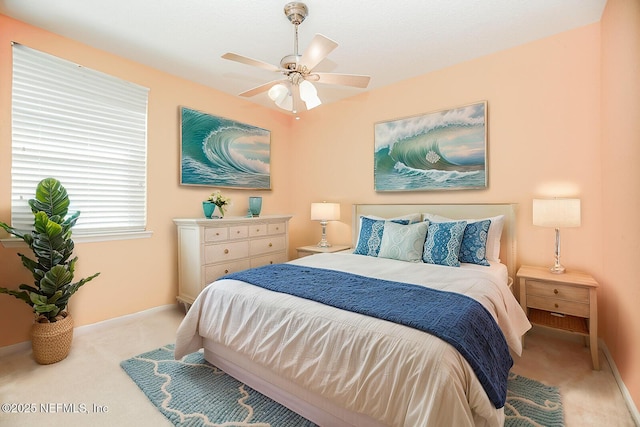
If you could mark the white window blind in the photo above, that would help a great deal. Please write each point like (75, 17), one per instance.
(84, 128)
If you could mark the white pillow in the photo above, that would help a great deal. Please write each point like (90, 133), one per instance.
(493, 237)
(403, 242)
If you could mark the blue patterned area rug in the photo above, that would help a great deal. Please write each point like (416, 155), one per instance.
(191, 392)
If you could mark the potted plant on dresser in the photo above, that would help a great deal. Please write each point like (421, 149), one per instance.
(52, 270)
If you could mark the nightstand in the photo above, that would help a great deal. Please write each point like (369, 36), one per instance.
(566, 302)
(313, 249)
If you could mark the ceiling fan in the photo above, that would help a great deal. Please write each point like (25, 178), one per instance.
(295, 88)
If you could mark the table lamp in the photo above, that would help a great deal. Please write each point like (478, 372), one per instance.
(325, 212)
(556, 213)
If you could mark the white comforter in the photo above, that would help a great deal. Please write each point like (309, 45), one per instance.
(397, 375)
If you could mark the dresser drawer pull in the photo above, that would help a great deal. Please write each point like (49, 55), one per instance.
(270, 262)
(555, 291)
(226, 251)
(257, 230)
(238, 232)
(226, 271)
(217, 233)
(270, 244)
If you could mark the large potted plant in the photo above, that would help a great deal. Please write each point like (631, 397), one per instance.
(52, 270)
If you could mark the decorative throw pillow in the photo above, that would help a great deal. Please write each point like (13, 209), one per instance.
(443, 243)
(474, 243)
(403, 242)
(370, 235)
(493, 237)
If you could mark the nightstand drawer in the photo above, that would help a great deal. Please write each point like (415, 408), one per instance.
(558, 305)
(554, 290)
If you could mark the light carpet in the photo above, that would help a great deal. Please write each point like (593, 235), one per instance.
(192, 392)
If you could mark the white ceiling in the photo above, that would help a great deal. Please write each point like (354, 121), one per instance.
(390, 40)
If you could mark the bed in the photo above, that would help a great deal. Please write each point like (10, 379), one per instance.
(342, 368)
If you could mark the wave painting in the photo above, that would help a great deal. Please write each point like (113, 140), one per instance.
(444, 150)
(223, 153)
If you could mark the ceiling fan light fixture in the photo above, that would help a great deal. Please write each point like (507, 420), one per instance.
(309, 94)
(281, 95)
(289, 93)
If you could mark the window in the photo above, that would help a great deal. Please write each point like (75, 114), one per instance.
(84, 128)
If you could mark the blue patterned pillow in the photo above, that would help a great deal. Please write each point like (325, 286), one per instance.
(443, 243)
(474, 243)
(370, 236)
(403, 242)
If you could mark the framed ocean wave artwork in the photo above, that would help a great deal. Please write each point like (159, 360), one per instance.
(220, 152)
(443, 150)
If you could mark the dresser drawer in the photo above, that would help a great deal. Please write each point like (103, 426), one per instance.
(277, 228)
(238, 232)
(225, 251)
(216, 234)
(213, 272)
(554, 290)
(558, 305)
(257, 230)
(270, 244)
(268, 259)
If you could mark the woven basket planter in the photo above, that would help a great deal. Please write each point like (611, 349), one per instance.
(51, 342)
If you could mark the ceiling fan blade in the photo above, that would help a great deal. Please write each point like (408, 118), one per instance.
(354, 80)
(262, 88)
(317, 50)
(249, 61)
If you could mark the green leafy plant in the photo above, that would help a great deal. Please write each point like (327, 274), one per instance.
(219, 200)
(51, 243)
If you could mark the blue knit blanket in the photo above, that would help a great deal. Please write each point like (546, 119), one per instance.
(457, 319)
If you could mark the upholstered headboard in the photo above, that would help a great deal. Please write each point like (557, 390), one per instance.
(455, 211)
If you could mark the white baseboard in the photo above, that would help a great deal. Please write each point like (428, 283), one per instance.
(635, 414)
(82, 330)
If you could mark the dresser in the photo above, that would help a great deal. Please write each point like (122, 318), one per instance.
(566, 302)
(211, 248)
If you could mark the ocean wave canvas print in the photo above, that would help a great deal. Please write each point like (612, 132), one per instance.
(444, 150)
(223, 153)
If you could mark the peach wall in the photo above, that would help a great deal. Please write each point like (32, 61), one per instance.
(544, 140)
(135, 274)
(621, 184)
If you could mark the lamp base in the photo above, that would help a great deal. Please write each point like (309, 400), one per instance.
(323, 242)
(557, 269)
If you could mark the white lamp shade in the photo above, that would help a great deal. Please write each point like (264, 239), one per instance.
(325, 211)
(309, 95)
(557, 213)
(281, 95)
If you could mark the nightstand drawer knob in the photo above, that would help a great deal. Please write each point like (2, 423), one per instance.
(555, 291)
(226, 271)
(556, 305)
(270, 244)
(226, 251)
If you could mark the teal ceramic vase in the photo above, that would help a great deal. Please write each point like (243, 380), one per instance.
(255, 206)
(208, 208)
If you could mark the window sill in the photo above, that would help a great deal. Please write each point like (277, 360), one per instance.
(14, 242)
